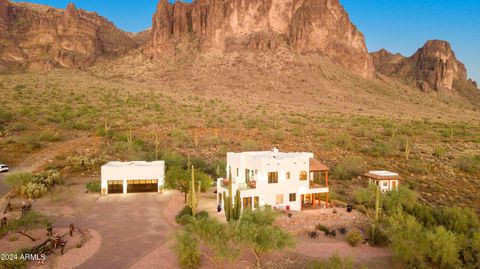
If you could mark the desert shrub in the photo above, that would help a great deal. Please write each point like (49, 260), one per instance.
(348, 168)
(18, 179)
(19, 127)
(322, 228)
(365, 196)
(458, 220)
(443, 248)
(469, 164)
(179, 136)
(5, 116)
(403, 198)
(380, 149)
(439, 152)
(30, 142)
(249, 145)
(378, 237)
(86, 162)
(202, 214)
(94, 186)
(354, 237)
(344, 141)
(417, 166)
(49, 137)
(334, 262)
(184, 216)
(33, 190)
(186, 248)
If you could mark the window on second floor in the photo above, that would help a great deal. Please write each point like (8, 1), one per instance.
(238, 171)
(303, 175)
(272, 177)
(287, 175)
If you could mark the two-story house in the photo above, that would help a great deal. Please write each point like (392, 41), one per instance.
(285, 181)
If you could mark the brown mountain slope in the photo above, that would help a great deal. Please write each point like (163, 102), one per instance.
(306, 26)
(432, 67)
(41, 37)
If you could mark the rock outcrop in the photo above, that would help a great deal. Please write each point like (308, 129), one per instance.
(40, 37)
(432, 67)
(306, 26)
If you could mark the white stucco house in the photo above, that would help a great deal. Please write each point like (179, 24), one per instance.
(385, 180)
(128, 177)
(285, 181)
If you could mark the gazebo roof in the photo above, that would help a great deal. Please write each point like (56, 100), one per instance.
(316, 165)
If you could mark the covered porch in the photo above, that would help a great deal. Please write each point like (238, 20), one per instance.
(317, 195)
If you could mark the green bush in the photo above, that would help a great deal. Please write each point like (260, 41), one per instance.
(186, 248)
(348, 168)
(378, 237)
(354, 237)
(184, 216)
(94, 186)
(202, 215)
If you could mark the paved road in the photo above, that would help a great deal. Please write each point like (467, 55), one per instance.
(3, 188)
(131, 227)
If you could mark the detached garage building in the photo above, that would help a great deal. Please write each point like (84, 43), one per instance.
(129, 177)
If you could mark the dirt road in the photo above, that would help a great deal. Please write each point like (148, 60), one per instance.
(37, 160)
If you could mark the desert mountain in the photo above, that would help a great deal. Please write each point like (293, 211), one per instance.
(305, 26)
(432, 67)
(40, 37)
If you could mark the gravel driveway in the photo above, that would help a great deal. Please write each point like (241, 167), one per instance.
(131, 226)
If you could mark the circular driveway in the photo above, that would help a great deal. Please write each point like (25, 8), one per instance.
(131, 225)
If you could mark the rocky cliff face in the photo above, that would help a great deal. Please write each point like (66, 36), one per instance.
(432, 67)
(306, 26)
(40, 37)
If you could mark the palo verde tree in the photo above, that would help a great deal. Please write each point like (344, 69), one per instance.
(256, 231)
(178, 178)
(208, 238)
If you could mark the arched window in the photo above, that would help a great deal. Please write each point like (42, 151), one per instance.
(303, 175)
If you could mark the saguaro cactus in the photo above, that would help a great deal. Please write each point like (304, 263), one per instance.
(407, 149)
(238, 206)
(192, 198)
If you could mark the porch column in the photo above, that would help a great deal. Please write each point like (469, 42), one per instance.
(326, 194)
(125, 186)
(313, 199)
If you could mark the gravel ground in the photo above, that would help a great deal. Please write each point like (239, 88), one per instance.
(76, 256)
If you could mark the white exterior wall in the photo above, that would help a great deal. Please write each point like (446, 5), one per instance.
(385, 185)
(132, 171)
(267, 192)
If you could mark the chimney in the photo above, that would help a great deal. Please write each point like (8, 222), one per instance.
(275, 152)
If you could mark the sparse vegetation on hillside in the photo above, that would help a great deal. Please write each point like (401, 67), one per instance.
(138, 118)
